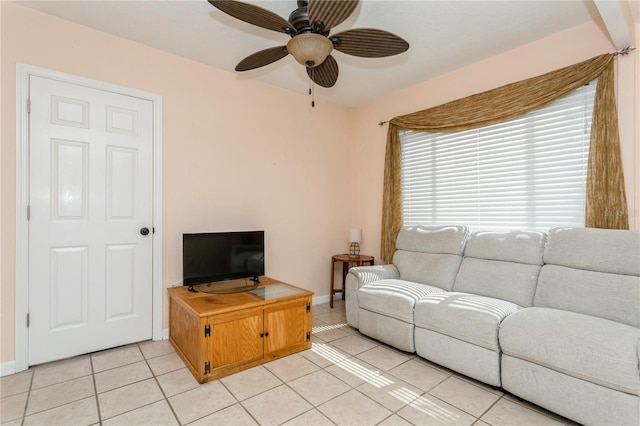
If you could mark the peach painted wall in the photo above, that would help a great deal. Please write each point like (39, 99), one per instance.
(562, 49)
(237, 154)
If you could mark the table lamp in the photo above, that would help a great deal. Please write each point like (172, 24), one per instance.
(355, 236)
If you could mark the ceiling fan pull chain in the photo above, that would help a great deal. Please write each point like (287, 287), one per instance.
(312, 90)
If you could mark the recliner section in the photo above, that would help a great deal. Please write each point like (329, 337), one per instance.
(582, 328)
(497, 278)
(427, 261)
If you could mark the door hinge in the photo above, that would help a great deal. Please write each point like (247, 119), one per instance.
(207, 330)
(308, 307)
(308, 336)
(28, 321)
(207, 367)
(28, 106)
(28, 212)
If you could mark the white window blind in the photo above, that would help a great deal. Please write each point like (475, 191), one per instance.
(528, 173)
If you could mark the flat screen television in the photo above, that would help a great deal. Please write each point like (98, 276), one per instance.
(211, 258)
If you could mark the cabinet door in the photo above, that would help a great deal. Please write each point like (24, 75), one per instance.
(236, 338)
(287, 325)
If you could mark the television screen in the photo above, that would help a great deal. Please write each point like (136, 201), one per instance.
(219, 256)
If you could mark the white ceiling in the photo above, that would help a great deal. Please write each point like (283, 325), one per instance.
(443, 36)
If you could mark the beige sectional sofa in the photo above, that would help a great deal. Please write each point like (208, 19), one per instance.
(552, 318)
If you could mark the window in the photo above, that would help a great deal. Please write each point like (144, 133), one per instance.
(528, 173)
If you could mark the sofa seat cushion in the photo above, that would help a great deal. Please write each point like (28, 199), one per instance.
(393, 298)
(594, 349)
(467, 317)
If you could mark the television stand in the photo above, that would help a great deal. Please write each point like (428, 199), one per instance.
(220, 334)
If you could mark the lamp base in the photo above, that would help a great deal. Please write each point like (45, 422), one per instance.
(354, 250)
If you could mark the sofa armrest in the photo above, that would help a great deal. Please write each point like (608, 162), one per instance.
(359, 276)
(369, 274)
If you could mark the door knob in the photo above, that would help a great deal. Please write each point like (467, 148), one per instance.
(144, 231)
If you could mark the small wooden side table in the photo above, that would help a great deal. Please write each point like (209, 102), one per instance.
(347, 262)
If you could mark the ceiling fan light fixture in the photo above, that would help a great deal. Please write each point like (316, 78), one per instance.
(310, 49)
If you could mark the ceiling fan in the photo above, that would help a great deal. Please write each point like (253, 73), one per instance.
(309, 26)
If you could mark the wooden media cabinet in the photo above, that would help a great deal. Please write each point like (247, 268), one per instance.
(220, 334)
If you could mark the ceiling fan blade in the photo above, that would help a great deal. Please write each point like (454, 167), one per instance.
(262, 58)
(255, 15)
(325, 74)
(369, 43)
(330, 12)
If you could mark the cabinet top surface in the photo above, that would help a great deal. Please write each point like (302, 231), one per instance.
(269, 291)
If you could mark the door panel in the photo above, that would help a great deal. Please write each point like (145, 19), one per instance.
(120, 269)
(69, 282)
(69, 112)
(90, 192)
(69, 179)
(121, 182)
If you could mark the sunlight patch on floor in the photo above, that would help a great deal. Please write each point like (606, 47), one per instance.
(372, 377)
(434, 410)
(322, 328)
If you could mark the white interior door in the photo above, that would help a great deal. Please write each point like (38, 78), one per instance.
(90, 195)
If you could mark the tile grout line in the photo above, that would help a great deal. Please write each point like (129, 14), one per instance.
(31, 389)
(26, 403)
(123, 386)
(424, 392)
(95, 389)
(155, 378)
(534, 408)
(238, 401)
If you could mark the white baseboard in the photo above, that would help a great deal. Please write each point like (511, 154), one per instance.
(319, 300)
(7, 368)
(165, 333)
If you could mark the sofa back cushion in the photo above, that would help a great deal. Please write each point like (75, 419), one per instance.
(430, 254)
(592, 271)
(503, 265)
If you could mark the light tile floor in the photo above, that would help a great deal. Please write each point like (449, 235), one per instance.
(345, 379)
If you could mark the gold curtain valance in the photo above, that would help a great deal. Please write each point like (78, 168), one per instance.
(605, 182)
(506, 102)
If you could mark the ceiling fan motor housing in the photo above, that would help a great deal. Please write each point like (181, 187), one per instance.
(299, 18)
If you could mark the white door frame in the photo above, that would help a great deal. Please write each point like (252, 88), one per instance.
(23, 72)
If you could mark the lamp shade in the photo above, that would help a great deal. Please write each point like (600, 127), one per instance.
(355, 235)
(310, 49)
